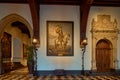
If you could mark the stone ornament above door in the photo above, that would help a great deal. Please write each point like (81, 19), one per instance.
(104, 23)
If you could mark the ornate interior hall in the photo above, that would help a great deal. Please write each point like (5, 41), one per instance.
(59, 39)
(22, 74)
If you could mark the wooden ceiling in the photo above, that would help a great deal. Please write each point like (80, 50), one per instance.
(84, 10)
(68, 2)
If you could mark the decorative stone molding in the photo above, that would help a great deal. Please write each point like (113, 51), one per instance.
(104, 31)
(11, 18)
(104, 28)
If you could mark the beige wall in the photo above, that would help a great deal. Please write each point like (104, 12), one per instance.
(59, 13)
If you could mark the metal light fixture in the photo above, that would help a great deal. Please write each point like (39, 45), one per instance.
(83, 47)
(35, 42)
(83, 43)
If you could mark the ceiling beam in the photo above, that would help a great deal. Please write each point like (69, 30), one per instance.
(84, 12)
(61, 2)
(113, 3)
(107, 3)
(34, 8)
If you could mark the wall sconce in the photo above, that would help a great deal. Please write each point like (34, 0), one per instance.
(83, 47)
(36, 42)
(83, 43)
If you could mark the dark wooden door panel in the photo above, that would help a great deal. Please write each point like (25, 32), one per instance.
(103, 56)
(6, 52)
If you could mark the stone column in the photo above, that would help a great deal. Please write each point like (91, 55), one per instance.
(93, 62)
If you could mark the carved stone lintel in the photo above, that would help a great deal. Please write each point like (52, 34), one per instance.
(105, 31)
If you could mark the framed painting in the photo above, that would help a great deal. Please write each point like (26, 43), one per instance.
(25, 50)
(60, 38)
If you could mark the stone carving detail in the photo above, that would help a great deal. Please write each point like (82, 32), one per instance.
(104, 28)
(104, 23)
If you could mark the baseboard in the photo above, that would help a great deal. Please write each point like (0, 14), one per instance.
(43, 72)
(117, 71)
(75, 72)
(60, 72)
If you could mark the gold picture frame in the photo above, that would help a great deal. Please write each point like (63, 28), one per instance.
(60, 38)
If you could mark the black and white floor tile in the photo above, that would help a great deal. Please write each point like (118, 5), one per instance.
(23, 75)
(68, 77)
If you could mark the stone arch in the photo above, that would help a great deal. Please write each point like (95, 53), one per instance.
(12, 18)
(9, 19)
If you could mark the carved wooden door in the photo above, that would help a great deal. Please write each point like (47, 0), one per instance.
(6, 45)
(6, 52)
(103, 56)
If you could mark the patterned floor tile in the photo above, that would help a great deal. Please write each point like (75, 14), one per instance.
(22, 74)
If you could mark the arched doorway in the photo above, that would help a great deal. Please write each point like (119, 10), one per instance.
(107, 34)
(20, 29)
(103, 55)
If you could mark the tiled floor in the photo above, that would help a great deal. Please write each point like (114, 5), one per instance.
(22, 74)
(69, 77)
